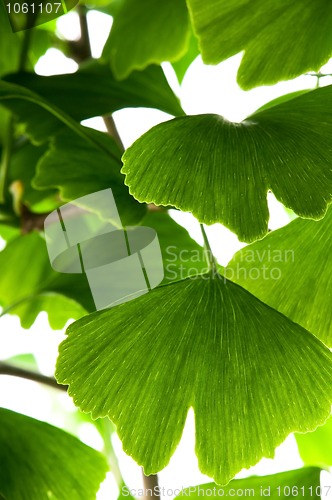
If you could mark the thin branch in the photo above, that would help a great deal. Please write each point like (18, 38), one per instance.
(150, 484)
(7, 369)
(113, 131)
(84, 42)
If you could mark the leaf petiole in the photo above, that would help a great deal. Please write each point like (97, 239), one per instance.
(211, 261)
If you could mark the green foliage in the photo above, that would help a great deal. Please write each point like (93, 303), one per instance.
(147, 32)
(77, 167)
(27, 290)
(248, 353)
(39, 461)
(22, 171)
(34, 111)
(280, 39)
(302, 482)
(221, 171)
(313, 445)
(180, 67)
(291, 271)
(236, 360)
(100, 93)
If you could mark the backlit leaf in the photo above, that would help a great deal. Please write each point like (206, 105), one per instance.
(29, 285)
(93, 91)
(147, 32)
(303, 483)
(33, 110)
(204, 343)
(291, 270)
(26, 291)
(314, 447)
(181, 66)
(280, 39)
(77, 168)
(221, 171)
(39, 461)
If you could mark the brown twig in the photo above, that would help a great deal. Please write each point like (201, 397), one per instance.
(151, 486)
(14, 371)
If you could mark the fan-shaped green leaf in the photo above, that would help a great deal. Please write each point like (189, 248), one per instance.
(180, 67)
(204, 343)
(78, 168)
(281, 39)
(221, 171)
(147, 32)
(28, 289)
(33, 111)
(303, 483)
(314, 446)
(291, 270)
(39, 461)
(93, 91)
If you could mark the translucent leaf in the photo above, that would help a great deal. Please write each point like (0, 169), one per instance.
(303, 483)
(33, 111)
(26, 290)
(280, 39)
(93, 91)
(315, 447)
(204, 343)
(147, 32)
(221, 171)
(181, 66)
(291, 270)
(39, 461)
(77, 168)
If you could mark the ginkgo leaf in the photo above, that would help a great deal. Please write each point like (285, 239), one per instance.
(281, 39)
(11, 44)
(291, 270)
(304, 483)
(93, 91)
(205, 343)
(314, 446)
(147, 32)
(26, 290)
(77, 168)
(221, 171)
(181, 66)
(33, 110)
(39, 461)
